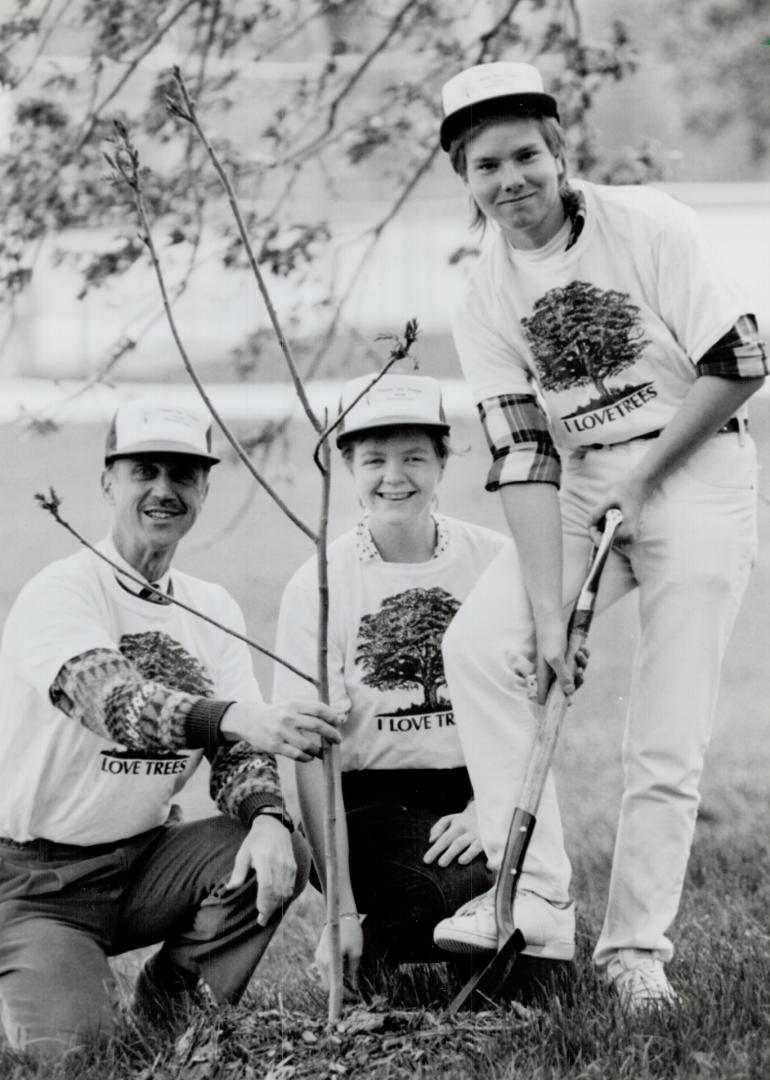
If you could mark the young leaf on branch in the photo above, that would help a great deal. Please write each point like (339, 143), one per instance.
(399, 351)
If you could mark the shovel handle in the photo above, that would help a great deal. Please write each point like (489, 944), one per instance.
(547, 735)
(485, 987)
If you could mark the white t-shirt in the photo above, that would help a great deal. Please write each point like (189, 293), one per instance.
(607, 333)
(60, 781)
(386, 623)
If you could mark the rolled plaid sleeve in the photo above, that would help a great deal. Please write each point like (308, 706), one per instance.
(520, 441)
(739, 354)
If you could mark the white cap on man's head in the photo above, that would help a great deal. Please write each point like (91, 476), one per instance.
(503, 82)
(149, 428)
(393, 401)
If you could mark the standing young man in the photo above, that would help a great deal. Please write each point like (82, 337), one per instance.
(109, 697)
(610, 362)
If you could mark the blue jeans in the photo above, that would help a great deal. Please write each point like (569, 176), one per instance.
(65, 909)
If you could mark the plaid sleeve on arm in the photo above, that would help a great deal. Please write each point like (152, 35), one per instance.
(103, 690)
(243, 780)
(519, 438)
(739, 354)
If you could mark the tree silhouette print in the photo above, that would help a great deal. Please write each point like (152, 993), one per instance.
(162, 659)
(400, 645)
(582, 334)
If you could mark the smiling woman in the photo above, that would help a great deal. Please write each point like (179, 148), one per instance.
(409, 846)
(396, 473)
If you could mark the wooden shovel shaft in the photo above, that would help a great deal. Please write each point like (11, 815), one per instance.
(547, 735)
(552, 715)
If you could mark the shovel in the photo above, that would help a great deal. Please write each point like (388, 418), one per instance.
(485, 987)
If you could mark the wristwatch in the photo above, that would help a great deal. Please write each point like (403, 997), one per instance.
(276, 812)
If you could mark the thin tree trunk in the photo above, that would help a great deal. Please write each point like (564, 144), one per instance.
(331, 763)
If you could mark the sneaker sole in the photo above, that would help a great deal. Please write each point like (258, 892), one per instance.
(554, 950)
(465, 943)
(470, 943)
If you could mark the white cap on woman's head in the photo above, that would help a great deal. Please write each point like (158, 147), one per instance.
(392, 401)
(503, 82)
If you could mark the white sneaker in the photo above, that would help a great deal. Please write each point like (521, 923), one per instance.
(639, 979)
(548, 929)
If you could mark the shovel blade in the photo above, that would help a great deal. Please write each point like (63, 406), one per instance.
(484, 989)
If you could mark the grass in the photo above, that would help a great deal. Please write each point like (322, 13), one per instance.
(722, 934)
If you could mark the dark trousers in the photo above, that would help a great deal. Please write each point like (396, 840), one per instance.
(389, 818)
(65, 909)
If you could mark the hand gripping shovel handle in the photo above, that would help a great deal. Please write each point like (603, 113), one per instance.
(485, 986)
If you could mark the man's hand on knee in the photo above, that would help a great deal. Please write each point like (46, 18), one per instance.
(267, 850)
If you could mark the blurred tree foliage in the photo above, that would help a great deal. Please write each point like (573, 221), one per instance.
(303, 99)
(723, 66)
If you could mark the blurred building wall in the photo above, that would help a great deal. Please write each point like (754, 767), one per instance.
(57, 335)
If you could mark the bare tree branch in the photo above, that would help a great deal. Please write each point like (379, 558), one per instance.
(126, 165)
(292, 31)
(355, 77)
(52, 502)
(375, 232)
(399, 352)
(204, 52)
(191, 117)
(42, 40)
(330, 752)
(157, 37)
(486, 39)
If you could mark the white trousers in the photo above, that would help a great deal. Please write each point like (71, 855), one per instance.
(691, 562)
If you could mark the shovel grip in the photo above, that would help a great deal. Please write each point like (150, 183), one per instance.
(519, 835)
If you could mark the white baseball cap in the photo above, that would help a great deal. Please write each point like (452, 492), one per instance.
(393, 401)
(146, 428)
(503, 82)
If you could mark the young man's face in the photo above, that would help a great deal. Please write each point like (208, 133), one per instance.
(515, 180)
(155, 499)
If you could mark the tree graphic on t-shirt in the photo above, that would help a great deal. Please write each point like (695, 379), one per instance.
(581, 334)
(399, 646)
(159, 658)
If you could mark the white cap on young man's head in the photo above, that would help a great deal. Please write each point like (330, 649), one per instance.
(503, 82)
(392, 401)
(149, 428)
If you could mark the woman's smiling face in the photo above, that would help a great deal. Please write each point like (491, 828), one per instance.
(515, 179)
(396, 474)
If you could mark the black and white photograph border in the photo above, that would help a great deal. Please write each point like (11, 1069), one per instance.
(139, 141)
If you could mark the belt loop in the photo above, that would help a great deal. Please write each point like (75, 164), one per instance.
(743, 428)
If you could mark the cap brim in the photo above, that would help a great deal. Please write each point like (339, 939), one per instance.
(457, 121)
(392, 421)
(161, 447)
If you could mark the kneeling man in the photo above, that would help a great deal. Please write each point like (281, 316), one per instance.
(110, 695)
